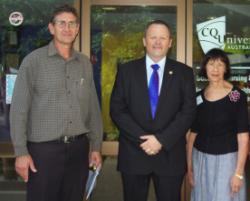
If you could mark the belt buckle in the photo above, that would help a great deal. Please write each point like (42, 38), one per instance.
(66, 139)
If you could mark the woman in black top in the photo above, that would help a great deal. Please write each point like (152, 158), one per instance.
(218, 142)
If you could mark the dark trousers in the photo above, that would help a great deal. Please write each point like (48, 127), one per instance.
(62, 170)
(136, 187)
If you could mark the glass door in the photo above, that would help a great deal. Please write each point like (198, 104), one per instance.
(229, 30)
(112, 34)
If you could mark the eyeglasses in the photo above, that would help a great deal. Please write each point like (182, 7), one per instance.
(63, 24)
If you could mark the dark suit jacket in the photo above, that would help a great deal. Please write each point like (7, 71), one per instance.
(130, 110)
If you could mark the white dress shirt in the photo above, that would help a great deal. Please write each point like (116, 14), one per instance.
(161, 63)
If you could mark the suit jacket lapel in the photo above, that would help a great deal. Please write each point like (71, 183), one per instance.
(166, 83)
(141, 75)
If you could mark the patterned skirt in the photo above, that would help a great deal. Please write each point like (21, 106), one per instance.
(212, 176)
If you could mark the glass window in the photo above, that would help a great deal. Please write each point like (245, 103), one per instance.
(223, 24)
(23, 28)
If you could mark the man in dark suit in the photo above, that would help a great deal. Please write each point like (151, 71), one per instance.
(153, 105)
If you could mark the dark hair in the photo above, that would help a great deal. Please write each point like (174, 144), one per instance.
(64, 9)
(215, 54)
(160, 22)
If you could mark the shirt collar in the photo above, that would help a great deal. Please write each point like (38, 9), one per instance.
(161, 63)
(52, 51)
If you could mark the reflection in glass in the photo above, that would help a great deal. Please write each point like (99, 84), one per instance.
(236, 36)
(17, 39)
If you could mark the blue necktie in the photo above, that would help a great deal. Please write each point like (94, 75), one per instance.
(154, 89)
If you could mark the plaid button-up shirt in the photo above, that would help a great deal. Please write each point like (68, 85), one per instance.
(54, 97)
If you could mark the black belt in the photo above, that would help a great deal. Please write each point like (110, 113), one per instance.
(68, 139)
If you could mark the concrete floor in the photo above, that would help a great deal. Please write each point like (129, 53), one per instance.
(108, 186)
(12, 190)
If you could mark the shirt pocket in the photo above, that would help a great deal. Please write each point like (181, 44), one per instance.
(82, 89)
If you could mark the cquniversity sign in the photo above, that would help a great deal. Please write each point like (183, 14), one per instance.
(211, 33)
